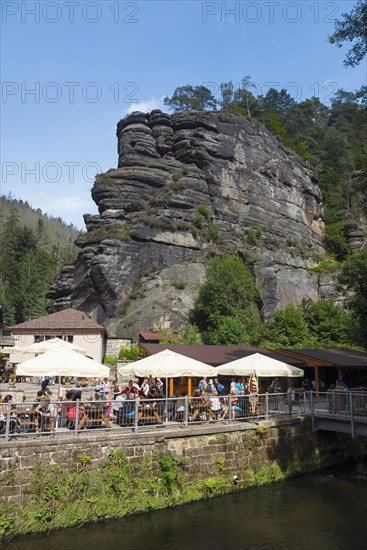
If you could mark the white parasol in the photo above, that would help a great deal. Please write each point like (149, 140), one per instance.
(167, 364)
(261, 365)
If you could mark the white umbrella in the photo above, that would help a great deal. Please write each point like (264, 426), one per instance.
(262, 365)
(63, 363)
(13, 349)
(53, 344)
(167, 364)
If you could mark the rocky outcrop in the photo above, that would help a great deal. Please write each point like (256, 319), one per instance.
(189, 186)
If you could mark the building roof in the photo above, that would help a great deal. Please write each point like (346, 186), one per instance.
(217, 355)
(343, 358)
(156, 336)
(68, 321)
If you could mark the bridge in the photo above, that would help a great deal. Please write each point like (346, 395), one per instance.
(339, 411)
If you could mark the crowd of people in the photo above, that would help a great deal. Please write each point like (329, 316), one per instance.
(211, 400)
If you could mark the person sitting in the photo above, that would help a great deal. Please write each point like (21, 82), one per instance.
(45, 412)
(215, 403)
(180, 407)
(117, 406)
(128, 408)
(72, 413)
(144, 390)
(6, 409)
(340, 385)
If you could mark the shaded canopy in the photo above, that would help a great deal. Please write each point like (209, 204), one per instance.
(63, 363)
(167, 364)
(262, 365)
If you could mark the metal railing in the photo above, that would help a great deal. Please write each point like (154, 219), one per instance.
(348, 406)
(57, 417)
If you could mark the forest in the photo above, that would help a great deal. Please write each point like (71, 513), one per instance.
(33, 247)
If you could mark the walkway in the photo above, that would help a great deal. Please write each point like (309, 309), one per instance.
(340, 411)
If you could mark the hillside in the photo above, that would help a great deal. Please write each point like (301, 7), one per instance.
(33, 248)
(52, 230)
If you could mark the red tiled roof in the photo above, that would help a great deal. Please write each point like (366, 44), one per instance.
(216, 355)
(68, 321)
(156, 336)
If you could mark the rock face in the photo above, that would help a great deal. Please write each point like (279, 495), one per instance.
(189, 186)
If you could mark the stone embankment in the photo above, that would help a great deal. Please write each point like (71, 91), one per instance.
(58, 482)
(239, 447)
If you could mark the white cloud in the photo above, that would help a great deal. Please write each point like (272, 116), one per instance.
(69, 208)
(146, 106)
(64, 204)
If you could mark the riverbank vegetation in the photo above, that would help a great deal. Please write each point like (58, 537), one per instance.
(59, 497)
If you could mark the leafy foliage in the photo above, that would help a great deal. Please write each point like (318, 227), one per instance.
(130, 353)
(191, 98)
(353, 28)
(29, 263)
(328, 323)
(354, 278)
(227, 300)
(191, 335)
(288, 329)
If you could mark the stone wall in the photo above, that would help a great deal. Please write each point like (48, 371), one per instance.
(115, 344)
(292, 446)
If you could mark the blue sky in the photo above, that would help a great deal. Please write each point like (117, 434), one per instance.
(90, 63)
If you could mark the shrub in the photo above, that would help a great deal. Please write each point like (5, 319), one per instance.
(110, 360)
(326, 265)
(204, 210)
(213, 232)
(130, 354)
(179, 285)
(198, 220)
(254, 234)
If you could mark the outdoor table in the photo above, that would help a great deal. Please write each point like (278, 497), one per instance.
(202, 408)
(94, 415)
(149, 413)
(26, 419)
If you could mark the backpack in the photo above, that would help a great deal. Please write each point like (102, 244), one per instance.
(220, 388)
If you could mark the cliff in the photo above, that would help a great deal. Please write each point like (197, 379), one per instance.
(188, 186)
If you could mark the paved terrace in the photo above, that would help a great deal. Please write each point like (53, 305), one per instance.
(184, 415)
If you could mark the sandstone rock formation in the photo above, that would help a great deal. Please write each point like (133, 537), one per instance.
(188, 186)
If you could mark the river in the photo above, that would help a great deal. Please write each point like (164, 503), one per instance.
(324, 511)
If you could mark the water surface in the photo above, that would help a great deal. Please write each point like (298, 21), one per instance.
(326, 511)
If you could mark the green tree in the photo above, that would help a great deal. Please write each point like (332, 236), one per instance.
(191, 335)
(230, 331)
(354, 278)
(190, 98)
(328, 323)
(279, 102)
(37, 270)
(353, 28)
(229, 290)
(288, 329)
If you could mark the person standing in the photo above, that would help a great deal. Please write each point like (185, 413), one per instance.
(45, 382)
(116, 389)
